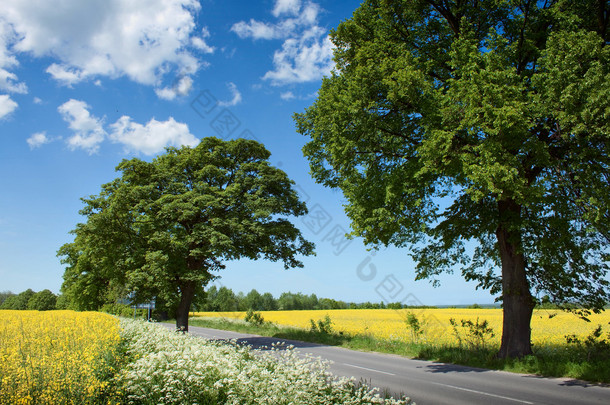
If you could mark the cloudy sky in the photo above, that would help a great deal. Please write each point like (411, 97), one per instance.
(85, 84)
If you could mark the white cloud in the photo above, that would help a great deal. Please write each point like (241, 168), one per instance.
(8, 80)
(181, 88)
(306, 54)
(290, 7)
(65, 74)
(199, 42)
(88, 129)
(301, 60)
(7, 105)
(152, 137)
(140, 39)
(37, 100)
(308, 15)
(256, 30)
(285, 28)
(37, 140)
(287, 95)
(236, 96)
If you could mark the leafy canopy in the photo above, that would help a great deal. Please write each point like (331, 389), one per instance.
(439, 112)
(165, 227)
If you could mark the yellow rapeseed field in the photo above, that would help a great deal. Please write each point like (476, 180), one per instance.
(549, 327)
(55, 357)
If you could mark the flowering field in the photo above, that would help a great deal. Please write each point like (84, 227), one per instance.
(56, 357)
(548, 326)
(66, 357)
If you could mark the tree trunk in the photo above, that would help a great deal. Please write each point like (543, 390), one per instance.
(518, 303)
(187, 292)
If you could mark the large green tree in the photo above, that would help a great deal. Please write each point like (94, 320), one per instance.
(163, 228)
(476, 132)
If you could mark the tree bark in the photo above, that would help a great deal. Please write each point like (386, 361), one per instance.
(187, 292)
(518, 303)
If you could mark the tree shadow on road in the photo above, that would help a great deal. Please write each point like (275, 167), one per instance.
(268, 343)
(452, 368)
(572, 382)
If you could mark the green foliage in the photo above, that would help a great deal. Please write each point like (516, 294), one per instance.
(268, 303)
(19, 301)
(254, 300)
(124, 310)
(4, 295)
(62, 302)
(593, 346)
(255, 318)
(476, 134)
(290, 301)
(224, 299)
(323, 326)
(9, 303)
(415, 326)
(43, 300)
(162, 229)
(476, 335)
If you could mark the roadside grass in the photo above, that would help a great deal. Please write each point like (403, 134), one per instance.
(577, 361)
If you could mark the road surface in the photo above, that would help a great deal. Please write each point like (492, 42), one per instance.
(427, 382)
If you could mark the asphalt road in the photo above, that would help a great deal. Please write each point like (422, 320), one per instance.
(427, 382)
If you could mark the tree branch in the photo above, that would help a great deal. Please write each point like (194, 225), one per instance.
(454, 22)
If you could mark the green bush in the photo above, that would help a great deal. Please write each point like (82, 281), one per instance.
(123, 310)
(415, 326)
(594, 346)
(476, 335)
(323, 326)
(255, 318)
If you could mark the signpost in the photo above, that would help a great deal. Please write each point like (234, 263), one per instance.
(148, 305)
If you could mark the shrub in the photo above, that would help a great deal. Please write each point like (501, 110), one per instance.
(593, 346)
(323, 326)
(254, 318)
(477, 334)
(415, 326)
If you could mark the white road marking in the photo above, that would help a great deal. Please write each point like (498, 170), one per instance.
(369, 369)
(484, 393)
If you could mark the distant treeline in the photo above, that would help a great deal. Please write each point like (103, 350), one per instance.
(43, 300)
(215, 299)
(223, 299)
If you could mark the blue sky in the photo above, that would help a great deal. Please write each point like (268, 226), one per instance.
(84, 85)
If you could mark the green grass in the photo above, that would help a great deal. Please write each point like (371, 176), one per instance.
(572, 361)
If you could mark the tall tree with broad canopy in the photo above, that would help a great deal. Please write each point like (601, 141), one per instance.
(476, 133)
(163, 228)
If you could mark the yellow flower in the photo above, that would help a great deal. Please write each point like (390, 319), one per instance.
(549, 327)
(54, 356)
